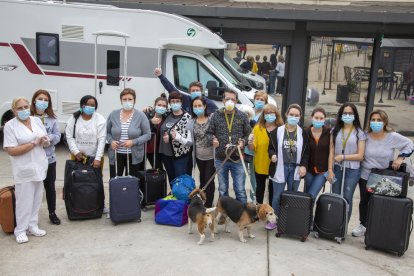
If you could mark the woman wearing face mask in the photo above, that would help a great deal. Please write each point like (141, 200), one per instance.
(290, 150)
(42, 107)
(176, 139)
(203, 151)
(25, 138)
(348, 146)
(319, 139)
(86, 132)
(380, 149)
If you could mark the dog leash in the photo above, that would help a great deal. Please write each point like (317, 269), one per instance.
(247, 176)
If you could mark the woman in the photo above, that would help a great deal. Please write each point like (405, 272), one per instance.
(280, 70)
(203, 151)
(176, 139)
(86, 132)
(379, 136)
(289, 148)
(42, 107)
(268, 123)
(348, 146)
(25, 138)
(319, 153)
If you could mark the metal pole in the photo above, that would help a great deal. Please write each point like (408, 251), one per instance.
(330, 73)
(96, 66)
(125, 63)
(326, 69)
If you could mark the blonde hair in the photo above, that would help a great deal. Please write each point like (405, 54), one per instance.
(16, 100)
(270, 108)
(280, 58)
(263, 94)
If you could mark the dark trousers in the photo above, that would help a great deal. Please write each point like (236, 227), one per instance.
(363, 202)
(280, 87)
(261, 187)
(150, 158)
(174, 166)
(49, 184)
(207, 169)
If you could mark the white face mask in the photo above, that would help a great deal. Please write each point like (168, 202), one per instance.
(229, 105)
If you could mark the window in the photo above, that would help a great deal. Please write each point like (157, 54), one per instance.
(112, 68)
(47, 49)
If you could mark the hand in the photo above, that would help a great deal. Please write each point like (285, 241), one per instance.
(330, 177)
(156, 120)
(79, 156)
(241, 143)
(215, 142)
(173, 133)
(274, 158)
(127, 144)
(157, 72)
(397, 164)
(251, 139)
(302, 171)
(339, 158)
(114, 145)
(96, 164)
(148, 109)
(166, 138)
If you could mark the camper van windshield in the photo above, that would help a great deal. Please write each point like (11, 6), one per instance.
(232, 63)
(223, 70)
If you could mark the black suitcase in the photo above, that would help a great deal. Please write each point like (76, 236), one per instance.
(153, 181)
(124, 197)
(331, 215)
(83, 191)
(389, 223)
(295, 218)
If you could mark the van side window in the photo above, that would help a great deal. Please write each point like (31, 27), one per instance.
(112, 67)
(47, 49)
(187, 70)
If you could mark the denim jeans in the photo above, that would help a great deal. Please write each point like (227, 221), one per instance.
(239, 178)
(174, 166)
(272, 82)
(351, 180)
(314, 183)
(292, 185)
(250, 169)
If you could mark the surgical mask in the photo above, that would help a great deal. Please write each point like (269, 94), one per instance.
(270, 118)
(198, 111)
(160, 110)
(293, 121)
(259, 105)
(318, 124)
(376, 126)
(348, 119)
(229, 105)
(89, 110)
(195, 94)
(128, 105)
(23, 114)
(175, 106)
(41, 105)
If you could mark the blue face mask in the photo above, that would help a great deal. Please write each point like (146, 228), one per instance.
(195, 94)
(175, 106)
(270, 118)
(127, 105)
(198, 111)
(318, 124)
(89, 110)
(348, 119)
(41, 105)
(259, 105)
(160, 110)
(376, 126)
(23, 114)
(293, 121)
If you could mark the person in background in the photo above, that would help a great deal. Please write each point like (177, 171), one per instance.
(272, 74)
(255, 67)
(42, 108)
(25, 138)
(348, 146)
(259, 65)
(265, 67)
(248, 64)
(380, 147)
(242, 49)
(238, 57)
(319, 138)
(280, 70)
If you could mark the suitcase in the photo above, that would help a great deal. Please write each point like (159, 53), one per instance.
(295, 218)
(389, 223)
(153, 181)
(7, 209)
(124, 197)
(331, 216)
(83, 190)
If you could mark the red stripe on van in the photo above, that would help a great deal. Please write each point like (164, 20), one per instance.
(73, 75)
(4, 44)
(27, 59)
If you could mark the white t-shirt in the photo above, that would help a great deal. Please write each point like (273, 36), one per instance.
(32, 165)
(281, 68)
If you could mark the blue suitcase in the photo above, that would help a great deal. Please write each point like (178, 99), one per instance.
(124, 198)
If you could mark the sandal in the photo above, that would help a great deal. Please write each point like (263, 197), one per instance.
(37, 232)
(22, 238)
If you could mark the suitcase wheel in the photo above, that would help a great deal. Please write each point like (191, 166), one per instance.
(303, 239)
(338, 240)
(366, 247)
(316, 235)
(278, 235)
(139, 220)
(400, 254)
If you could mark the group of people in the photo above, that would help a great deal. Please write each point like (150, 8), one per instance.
(183, 131)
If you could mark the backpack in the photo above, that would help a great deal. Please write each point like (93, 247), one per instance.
(182, 186)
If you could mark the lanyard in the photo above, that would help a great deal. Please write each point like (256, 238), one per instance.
(344, 141)
(229, 125)
(291, 141)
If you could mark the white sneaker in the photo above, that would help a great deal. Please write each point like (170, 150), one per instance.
(22, 238)
(105, 210)
(37, 232)
(359, 231)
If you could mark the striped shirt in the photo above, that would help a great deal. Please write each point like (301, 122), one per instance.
(124, 134)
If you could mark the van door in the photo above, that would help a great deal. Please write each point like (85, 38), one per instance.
(110, 69)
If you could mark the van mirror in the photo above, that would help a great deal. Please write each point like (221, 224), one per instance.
(213, 92)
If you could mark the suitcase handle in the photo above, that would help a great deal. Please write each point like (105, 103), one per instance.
(116, 163)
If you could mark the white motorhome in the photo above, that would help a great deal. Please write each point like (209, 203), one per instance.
(76, 49)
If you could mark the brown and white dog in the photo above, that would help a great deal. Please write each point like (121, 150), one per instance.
(244, 215)
(200, 215)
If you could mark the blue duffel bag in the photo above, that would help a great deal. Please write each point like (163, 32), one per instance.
(170, 211)
(182, 186)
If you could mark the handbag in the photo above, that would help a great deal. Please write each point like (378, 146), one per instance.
(388, 182)
(171, 211)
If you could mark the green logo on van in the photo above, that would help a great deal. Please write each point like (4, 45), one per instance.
(191, 32)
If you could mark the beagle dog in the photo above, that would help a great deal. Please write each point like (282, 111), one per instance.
(244, 215)
(200, 215)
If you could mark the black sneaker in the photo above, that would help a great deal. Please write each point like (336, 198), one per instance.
(54, 219)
